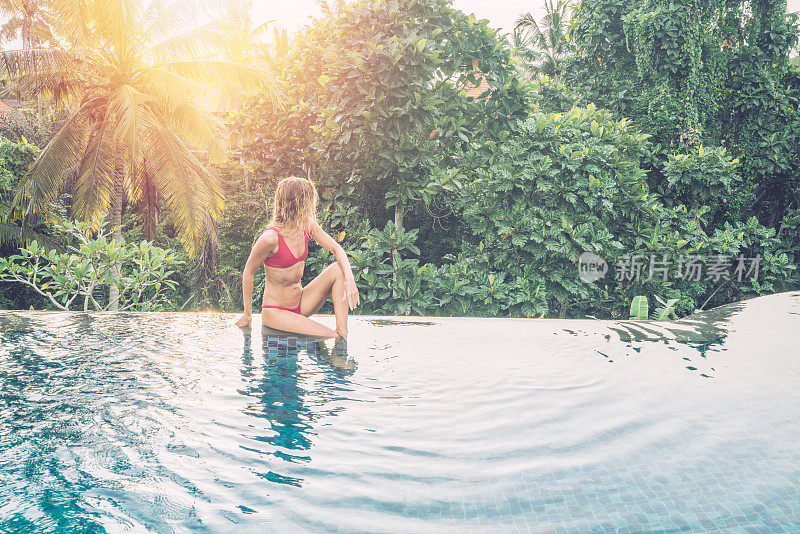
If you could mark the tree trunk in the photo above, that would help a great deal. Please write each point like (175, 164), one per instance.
(399, 211)
(116, 234)
(246, 174)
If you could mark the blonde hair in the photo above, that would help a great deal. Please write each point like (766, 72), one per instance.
(294, 203)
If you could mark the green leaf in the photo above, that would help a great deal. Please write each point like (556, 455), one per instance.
(639, 308)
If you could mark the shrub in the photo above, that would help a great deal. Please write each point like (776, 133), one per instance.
(80, 276)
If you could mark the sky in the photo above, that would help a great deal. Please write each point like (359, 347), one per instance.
(501, 13)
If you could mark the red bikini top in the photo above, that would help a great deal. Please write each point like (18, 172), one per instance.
(283, 257)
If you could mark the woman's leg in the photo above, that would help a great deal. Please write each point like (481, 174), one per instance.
(336, 357)
(290, 321)
(329, 283)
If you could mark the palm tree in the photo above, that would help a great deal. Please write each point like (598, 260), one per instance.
(244, 45)
(279, 48)
(135, 130)
(12, 232)
(523, 54)
(548, 38)
(29, 21)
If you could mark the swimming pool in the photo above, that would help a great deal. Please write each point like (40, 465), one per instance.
(180, 422)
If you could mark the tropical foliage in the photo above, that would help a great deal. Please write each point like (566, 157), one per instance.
(15, 158)
(129, 77)
(92, 262)
(652, 135)
(544, 43)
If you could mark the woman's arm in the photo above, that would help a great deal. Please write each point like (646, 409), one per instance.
(265, 245)
(327, 242)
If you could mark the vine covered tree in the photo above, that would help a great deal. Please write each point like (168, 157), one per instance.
(705, 73)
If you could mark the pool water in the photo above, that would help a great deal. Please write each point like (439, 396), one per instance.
(182, 422)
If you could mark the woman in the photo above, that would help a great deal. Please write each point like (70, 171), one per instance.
(282, 249)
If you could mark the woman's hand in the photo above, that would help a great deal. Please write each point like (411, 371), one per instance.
(244, 320)
(351, 291)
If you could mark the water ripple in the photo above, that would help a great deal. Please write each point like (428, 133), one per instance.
(179, 422)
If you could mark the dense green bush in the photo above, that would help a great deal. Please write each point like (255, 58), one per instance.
(15, 157)
(80, 277)
(569, 183)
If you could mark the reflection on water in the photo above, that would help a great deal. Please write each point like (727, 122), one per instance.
(282, 394)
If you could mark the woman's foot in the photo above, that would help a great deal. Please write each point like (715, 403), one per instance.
(338, 356)
(340, 345)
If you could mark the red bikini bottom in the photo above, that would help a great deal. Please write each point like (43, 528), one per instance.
(295, 309)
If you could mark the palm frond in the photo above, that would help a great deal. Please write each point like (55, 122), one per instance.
(261, 29)
(192, 194)
(11, 234)
(281, 39)
(42, 31)
(527, 23)
(129, 109)
(167, 17)
(207, 42)
(12, 6)
(116, 21)
(62, 85)
(242, 76)
(71, 20)
(94, 186)
(11, 28)
(10, 212)
(43, 60)
(235, 12)
(199, 129)
(40, 186)
(168, 88)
